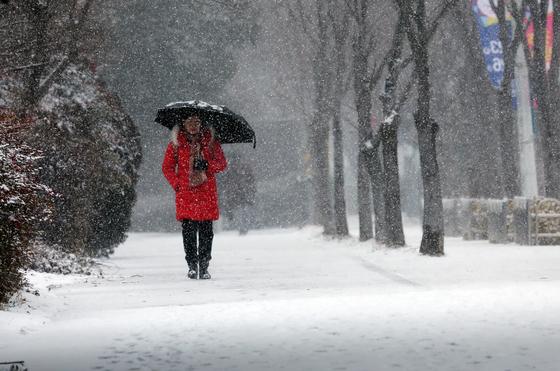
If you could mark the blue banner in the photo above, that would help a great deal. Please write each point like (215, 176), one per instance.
(489, 29)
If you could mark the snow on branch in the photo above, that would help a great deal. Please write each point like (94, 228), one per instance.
(391, 118)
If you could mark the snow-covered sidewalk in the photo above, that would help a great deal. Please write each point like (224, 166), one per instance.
(290, 299)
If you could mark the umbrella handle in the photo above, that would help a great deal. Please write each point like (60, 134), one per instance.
(254, 141)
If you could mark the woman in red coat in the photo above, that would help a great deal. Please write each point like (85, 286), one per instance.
(192, 159)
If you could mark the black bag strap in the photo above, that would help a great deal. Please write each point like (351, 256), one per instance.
(176, 156)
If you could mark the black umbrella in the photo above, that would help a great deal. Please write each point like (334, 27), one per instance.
(229, 127)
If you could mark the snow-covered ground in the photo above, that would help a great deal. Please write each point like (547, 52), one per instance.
(293, 300)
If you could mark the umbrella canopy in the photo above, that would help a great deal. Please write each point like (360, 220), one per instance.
(229, 127)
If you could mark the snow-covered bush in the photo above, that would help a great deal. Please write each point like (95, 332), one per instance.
(24, 202)
(51, 259)
(92, 154)
(90, 148)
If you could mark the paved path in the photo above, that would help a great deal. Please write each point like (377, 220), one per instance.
(296, 301)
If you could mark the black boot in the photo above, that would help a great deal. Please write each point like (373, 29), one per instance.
(193, 272)
(204, 275)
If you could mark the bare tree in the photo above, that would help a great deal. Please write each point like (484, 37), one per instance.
(392, 100)
(320, 128)
(389, 139)
(418, 36)
(314, 31)
(41, 39)
(367, 69)
(339, 21)
(323, 32)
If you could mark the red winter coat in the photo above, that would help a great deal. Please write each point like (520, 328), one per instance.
(194, 203)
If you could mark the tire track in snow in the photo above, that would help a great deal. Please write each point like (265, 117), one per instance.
(389, 275)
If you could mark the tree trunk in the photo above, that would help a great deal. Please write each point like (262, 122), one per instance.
(509, 148)
(375, 171)
(549, 146)
(392, 192)
(394, 234)
(362, 93)
(364, 200)
(372, 167)
(320, 171)
(320, 128)
(432, 225)
(545, 116)
(341, 34)
(38, 21)
(340, 221)
(432, 238)
(554, 91)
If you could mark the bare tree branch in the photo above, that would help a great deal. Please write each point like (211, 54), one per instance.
(48, 81)
(405, 94)
(26, 67)
(495, 6)
(446, 7)
(371, 44)
(352, 8)
(302, 20)
(407, 11)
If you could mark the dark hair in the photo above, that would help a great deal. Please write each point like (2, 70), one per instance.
(194, 115)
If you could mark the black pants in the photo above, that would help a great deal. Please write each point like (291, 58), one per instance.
(205, 237)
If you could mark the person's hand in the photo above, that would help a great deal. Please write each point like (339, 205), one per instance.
(200, 164)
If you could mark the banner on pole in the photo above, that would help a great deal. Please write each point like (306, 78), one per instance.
(549, 37)
(492, 49)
